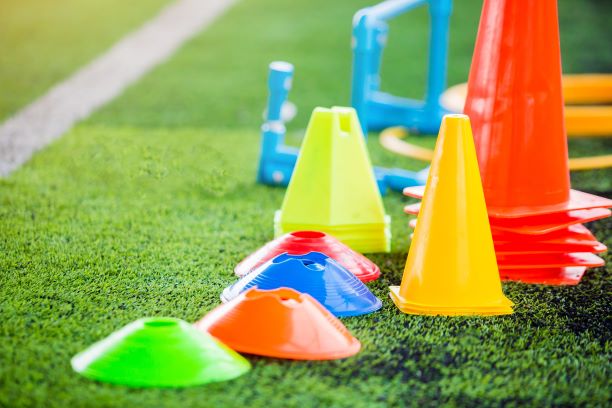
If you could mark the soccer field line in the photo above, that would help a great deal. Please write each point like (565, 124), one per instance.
(103, 79)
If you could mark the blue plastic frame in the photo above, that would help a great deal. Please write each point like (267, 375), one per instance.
(376, 109)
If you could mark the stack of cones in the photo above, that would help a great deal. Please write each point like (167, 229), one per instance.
(451, 268)
(516, 107)
(332, 188)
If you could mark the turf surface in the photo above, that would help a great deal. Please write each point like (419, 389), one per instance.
(43, 42)
(145, 208)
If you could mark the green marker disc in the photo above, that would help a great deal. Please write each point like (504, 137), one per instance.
(159, 352)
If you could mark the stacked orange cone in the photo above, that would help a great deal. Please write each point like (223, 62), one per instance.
(515, 105)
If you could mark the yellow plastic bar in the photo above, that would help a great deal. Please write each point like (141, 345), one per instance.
(588, 121)
(588, 163)
(580, 121)
(587, 88)
(391, 139)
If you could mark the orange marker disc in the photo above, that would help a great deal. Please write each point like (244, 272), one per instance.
(280, 323)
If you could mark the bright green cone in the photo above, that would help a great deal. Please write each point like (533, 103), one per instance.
(159, 352)
(333, 188)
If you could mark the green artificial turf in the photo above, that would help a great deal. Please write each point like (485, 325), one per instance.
(43, 41)
(144, 210)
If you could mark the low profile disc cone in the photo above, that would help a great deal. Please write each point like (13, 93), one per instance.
(159, 352)
(316, 274)
(537, 224)
(280, 323)
(538, 261)
(569, 275)
(302, 242)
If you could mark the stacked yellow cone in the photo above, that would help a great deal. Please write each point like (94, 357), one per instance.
(332, 188)
(451, 267)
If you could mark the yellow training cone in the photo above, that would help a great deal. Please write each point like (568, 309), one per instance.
(332, 188)
(451, 267)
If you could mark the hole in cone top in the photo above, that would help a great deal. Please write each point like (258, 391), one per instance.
(300, 243)
(345, 124)
(281, 66)
(282, 323)
(456, 116)
(157, 323)
(314, 274)
(311, 258)
(312, 265)
(308, 234)
(284, 294)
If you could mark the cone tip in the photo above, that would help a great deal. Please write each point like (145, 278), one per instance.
(456, 117)
(281, 66)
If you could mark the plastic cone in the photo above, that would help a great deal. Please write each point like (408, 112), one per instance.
(332, 188)
(537, 224)
(280, 323)
(159, 352)
(451, 267)
(576, 238)
(547, 260)
(316, 274)
(562, 246)
(572, 234)
(570, 275)
(515, 103)
(302, 242)
(542, 224)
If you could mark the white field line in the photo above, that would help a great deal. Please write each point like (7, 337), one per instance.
(50, 116)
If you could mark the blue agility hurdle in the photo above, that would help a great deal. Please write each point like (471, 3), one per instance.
(375, 109)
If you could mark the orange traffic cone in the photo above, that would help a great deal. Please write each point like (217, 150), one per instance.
(465, 281)
(516, 106)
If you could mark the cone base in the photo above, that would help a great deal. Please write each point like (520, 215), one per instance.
(543, 248)
(544, 224)
(535, 225)
(576, 238)
(405, 306)
(577, 201)
(365, 238)
(348, 352)
(554, 260)
(132, 382)
(568, 276)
